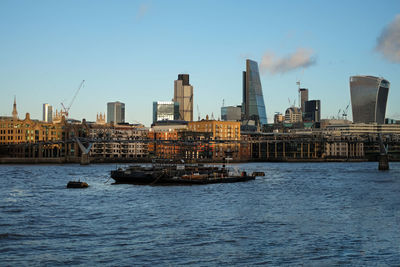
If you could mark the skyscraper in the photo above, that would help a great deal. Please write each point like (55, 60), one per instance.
(312, 110)
(183, 94)
(368, 98)
(115, 112)
(253, 107)
(165, 110)
(303, 98)
(47, 113)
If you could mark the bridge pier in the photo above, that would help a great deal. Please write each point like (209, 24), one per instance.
(383, 163)
(85, 160)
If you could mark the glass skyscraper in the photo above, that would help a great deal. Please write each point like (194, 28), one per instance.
(253, 107)
(368, 98)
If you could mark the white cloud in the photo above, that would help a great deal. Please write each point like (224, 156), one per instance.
(142, 11)
(302, 58)
(388, 43)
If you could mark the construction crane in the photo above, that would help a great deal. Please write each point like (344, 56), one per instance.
(345, 112)
(338, 114)
(65, 111)
(292, 104)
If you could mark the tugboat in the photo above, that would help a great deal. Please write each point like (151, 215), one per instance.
(178, 174)
(77, 184)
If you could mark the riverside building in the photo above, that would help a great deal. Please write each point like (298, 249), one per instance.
(224, 131)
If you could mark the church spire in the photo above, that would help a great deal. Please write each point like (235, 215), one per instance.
(14, 112)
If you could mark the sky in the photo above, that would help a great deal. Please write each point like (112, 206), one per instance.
(132, 51)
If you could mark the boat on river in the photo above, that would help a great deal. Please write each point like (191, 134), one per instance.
(167, 174)
(77, 184)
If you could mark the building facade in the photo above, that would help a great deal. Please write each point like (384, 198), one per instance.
(368, 98)
(279, 118)
(47, 113)
(183, 94)
(253, 107)
(15, 131)
(118, 141)
(165, 110)
(312, 111)
(115, 112)
(231, 113)
(303, 98)
(293, 114)
(227, 132)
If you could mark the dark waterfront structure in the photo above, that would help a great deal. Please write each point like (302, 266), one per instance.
(115, 112)
(165, 110)
(253, 107)
(368, 98)
(312, 110)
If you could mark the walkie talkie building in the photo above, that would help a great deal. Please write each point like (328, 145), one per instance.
(368, 98)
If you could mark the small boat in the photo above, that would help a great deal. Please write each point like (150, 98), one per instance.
(77, 184)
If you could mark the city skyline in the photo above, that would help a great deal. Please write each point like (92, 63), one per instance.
(132, 52)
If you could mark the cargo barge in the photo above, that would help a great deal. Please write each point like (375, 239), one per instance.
(179, 174)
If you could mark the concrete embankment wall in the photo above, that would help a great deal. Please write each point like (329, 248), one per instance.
(32, 160)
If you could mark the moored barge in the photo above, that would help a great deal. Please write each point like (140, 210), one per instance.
(178, 174)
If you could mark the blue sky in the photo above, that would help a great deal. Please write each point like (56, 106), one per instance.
(132, 51)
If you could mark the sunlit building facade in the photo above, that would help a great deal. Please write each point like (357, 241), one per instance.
(368, 98)
(253, 107)
(47, 113)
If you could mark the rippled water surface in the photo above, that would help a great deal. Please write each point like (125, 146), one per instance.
(299, 213)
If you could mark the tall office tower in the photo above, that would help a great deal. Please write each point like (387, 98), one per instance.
(312, 110)
(303, 98)
(368, 98)
(115, 112)
(165, 110)
(183, 94)
(47, 113)
(253, 107)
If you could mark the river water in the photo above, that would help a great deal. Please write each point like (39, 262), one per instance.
(298, 214)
